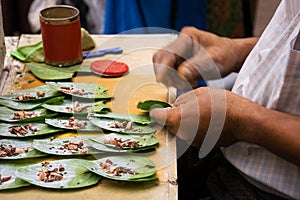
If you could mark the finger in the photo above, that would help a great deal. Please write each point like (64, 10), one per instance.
(175, 79)
(167, 74)
(162, 117)
(188, 99)
(167, 59)
(199, 67)
(204, 66)
(188, 74)
(166, 116)
(190, 69)
(164, 62)
(159, 115)
(182, 47)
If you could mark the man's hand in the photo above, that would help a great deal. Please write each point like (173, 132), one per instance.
(201, 110)
(235, 117)
(199, 55)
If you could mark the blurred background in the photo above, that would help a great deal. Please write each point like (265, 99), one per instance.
(233, 18)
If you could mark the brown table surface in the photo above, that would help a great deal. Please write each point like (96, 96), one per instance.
(138, 85)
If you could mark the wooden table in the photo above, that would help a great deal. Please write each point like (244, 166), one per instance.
(138, 85)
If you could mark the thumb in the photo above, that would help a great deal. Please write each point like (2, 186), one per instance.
(162, 116)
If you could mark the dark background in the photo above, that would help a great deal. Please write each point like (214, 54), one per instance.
(232, 18)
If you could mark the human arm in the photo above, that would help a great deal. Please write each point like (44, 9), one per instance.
(199, 55)
(276, 131)
(244, 121)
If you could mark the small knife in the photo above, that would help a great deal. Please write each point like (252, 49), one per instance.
(93, 54)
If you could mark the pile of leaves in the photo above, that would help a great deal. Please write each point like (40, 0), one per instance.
(37, 122)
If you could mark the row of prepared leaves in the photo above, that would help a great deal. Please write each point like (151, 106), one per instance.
(64, 98)
(76, 173)
(93, 123)
(52, 92)
(12, 149)
(49, 100)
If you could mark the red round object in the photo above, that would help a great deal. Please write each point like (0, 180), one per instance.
(109, 68)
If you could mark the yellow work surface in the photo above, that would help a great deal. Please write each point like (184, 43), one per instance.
(137, 85)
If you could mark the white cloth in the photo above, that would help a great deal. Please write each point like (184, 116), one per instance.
(34, 12)
(95, 16)
(270, 77)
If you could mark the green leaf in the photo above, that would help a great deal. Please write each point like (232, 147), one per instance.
(47, 72)
(62, 122)
(19, 105)
(150, 104)
(7, 115)
(42, 129)
(48, 93)
(8, 169)
(104, 148)
(143, 167)
(99, 106)
(54, 100)
(57, 146)
(67, 106)
(20, 144)
(140, 119)
(88, 90)
(30, 53)
(50, 73)
(107, 124)
(74, 174)
(27, 105)
(84, 68)
(143, 140)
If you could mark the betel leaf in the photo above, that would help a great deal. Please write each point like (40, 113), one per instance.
(8, 170)
(74, 174)
(46, 72)
(19, 105)
(42, 129)
(63, 123)
(142, 141)
(48, 93)
(54, 100)
(142, 168)
(64, 146)
(150, 104)
(84, 69)
(82, 90)
(76, 107)
(51, 73)
(24, 146)
(141, 119)
(7, 115)
(27, 105)
(105, 148)
(109, 124)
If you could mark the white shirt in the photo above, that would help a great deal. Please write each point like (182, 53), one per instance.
(270, 77)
